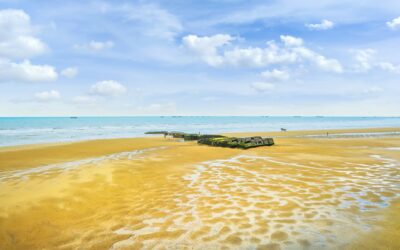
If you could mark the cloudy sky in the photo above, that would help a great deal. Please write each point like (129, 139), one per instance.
(182, 57)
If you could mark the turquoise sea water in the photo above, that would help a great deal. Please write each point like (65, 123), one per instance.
(28, 130)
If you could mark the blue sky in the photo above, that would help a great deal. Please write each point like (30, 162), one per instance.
(228, 57)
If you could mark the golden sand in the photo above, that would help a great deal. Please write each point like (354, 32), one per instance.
(145, 193)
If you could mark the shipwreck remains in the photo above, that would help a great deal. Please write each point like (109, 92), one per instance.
(235, 142)
(196, 137)
(156, 132)
(184, 136)
(220, 140)
(174, 134)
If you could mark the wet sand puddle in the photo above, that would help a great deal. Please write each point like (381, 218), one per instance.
(251, 202)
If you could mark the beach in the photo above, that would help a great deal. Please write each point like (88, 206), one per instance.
(199, 125)
(330, 189)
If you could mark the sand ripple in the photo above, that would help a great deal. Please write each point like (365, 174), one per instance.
(251, 201)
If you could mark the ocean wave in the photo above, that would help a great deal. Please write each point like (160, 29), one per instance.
(40, 130)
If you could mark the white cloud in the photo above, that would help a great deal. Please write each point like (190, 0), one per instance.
(47, 96)
(324, 25)
(108, 88)
(95, 45)
(210, 50)
(326, 64)
(258, 57)
(70, 72)
(389, 67)
(344, 10)
(291, 41)
(157, 22)
(262, 86)
(394, 24)
(17, 41)
(363, 58)
(25, 71)
(21, 47)
(146, 19)
(275, 74)
(366, 62)
(206, 46)
(16, 36)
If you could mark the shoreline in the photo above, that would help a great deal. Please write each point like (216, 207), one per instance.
(291, 133)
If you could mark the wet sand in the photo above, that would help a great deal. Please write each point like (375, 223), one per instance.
(155, 193)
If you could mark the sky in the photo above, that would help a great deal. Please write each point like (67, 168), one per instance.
(184, 57)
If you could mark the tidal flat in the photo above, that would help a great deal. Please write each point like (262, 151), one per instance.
(311, 190)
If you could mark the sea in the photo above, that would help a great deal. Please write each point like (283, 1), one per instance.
(33, 130)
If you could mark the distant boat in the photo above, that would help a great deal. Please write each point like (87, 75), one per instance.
(73, 117)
